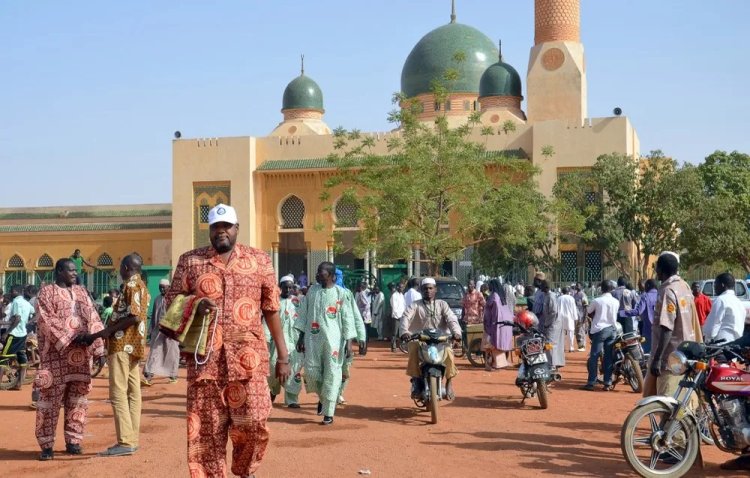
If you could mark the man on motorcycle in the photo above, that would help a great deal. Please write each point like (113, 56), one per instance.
(429, 313)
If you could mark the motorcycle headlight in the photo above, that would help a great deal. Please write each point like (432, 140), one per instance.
(677, 363)
(432, 355)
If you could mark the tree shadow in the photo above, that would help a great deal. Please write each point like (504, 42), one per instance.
(507, 402)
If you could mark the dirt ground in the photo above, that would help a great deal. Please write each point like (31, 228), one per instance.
(484, 432)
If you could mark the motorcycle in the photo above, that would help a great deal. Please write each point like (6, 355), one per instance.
(661, 437)
(629, 359)
(433, 346)
(535, 371)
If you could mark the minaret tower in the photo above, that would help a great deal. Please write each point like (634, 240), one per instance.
(556, 82)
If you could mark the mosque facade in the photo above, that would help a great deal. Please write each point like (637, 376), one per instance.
(275, 181)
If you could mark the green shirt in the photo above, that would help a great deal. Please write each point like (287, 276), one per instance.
(106, 314)
(78, 262)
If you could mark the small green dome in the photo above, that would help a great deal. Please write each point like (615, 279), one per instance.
(434, 53)
(500, 79)
(302, 93)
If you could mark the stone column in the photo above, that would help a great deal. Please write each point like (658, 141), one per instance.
(275, 258)
(330, 246)
(417, 261)
(410, 264)
(374, 264)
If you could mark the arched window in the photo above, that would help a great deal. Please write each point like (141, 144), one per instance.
(292, 213)
(104, 260)
(347, 212)
(45, 262)
(15, 262)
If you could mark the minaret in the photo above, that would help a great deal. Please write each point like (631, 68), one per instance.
(556, 82)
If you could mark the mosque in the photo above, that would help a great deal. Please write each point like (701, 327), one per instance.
(275, 181)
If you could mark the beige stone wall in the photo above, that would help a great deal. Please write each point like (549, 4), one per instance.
(205, 160)
(556, 83)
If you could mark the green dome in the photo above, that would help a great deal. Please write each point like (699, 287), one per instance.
(500, 79)
(302, 93)
(433, 55)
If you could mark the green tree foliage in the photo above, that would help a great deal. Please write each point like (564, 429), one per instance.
(718, 230)
(626, 200)
(433, 176)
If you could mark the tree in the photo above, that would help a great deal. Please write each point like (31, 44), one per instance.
(621, 200)
(718, 230)
(432, 177)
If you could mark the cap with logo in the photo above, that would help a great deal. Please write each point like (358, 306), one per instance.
(222, 213)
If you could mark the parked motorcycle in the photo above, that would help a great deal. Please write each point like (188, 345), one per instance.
(433, 345)
(629, 359)
(662, 435)
(535, 371)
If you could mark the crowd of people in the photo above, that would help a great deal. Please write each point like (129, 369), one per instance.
(248, 336)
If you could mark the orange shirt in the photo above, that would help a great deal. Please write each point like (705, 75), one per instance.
(703, 306)
(243, 289)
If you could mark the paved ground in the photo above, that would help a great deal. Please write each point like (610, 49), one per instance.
(484, 432)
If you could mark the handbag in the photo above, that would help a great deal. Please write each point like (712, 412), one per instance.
(181, 323)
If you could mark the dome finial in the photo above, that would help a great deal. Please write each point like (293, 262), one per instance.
(500, 49)
(302, 66)
(453, 11)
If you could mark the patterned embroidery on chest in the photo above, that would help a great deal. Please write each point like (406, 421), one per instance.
(209, 285)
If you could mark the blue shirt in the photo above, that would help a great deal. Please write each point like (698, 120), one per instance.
(20, 307)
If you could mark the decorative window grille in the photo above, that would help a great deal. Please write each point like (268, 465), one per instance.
(292, 213)
(346, 213)
(45, 262)
(569, 263)
(593, 262)
(105, 260)
(15, 262)
(204, 208)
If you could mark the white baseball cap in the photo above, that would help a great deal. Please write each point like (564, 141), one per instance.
(222, 213)
(428, 280)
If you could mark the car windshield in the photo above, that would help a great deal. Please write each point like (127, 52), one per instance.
(449, 290)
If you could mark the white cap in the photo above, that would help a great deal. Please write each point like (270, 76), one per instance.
(164, 282)
(222, 213)
(287, 278)
(428, 280)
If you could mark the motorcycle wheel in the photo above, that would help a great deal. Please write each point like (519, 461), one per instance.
(459, 351)
(11, 375)
(434, 398)
(541, 391)
(403, 346)
(475, 354)
(633, 374)
(642, 447)
(96, 367)
(704, 425)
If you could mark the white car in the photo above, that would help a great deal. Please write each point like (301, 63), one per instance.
(741, 288)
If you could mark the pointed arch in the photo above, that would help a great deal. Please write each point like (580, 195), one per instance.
(292, 213)
(104, 260)
(45, 261)
(16, 262)
(346, 213)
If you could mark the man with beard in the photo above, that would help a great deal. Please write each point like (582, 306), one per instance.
(289, 316)
(65, 310)
(327, 327)
(227, 394)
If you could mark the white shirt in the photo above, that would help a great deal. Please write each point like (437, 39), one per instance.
(605, 309)
(726, 319)
(398, 305)
(411, 296)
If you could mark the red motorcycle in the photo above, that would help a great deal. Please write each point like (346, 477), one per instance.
(662, 435)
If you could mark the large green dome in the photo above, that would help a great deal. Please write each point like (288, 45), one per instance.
(500, 79)
(434, 53)
(303, 93)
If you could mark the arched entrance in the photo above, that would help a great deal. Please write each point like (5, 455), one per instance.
(292, 246)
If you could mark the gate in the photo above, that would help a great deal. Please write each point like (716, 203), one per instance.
(14, 277)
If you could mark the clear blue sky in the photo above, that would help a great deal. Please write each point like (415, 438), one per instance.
(92, 91)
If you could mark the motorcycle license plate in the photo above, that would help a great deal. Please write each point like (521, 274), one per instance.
(535, 359)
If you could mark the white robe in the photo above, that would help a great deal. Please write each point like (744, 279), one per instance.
(567, 311)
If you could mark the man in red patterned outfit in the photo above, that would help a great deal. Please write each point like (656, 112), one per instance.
(65, 311)
(228, 392)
